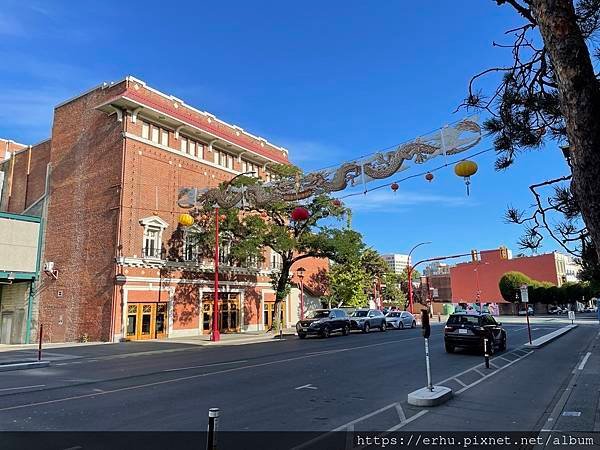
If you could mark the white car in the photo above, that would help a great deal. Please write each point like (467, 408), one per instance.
(529, 311)
(400, 319)
(555, 310)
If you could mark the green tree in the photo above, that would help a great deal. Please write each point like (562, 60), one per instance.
(510, 284)
(348, 284)
(247, 232)
(549, 92)
(373, 264)
(391, 291)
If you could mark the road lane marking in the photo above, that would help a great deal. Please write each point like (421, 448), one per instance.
(585, 359)
(306, 386)
(23, 387)
(409, 420)
(458, 381)
(485, 377)
(205, 365)
(189, 377)
(479, 372)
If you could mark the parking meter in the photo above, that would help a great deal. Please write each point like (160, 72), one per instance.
(425, 323)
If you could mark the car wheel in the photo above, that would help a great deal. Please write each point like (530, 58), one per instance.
(383, 326)
(449, 348)
(325, 332)
(346, 330)
(301, 335)
(414, 324)
(366, 328)
(401, 326)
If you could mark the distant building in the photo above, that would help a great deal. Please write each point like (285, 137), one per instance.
(397, 262)
(484, 275)
(436, 268)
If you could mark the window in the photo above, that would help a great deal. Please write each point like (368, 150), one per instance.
(199, 150)
(145, 130)
(151, 243)
(155, 134)
(223, 159)
(184, 145)
(224, 254)
(191, 248)
(276, 262)
(192, 148)
(152, 236)
(248, 166)
(164, 140)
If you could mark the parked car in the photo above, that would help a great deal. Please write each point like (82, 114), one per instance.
(555, 310)
(400, 320)
(365, 319)
(470, 330)
(323, 322)
(524, 312)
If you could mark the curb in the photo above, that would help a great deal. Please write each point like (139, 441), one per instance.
(20, 365)
(541, 341)
(425, 397)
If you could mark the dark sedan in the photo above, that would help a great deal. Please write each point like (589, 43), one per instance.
(323, 322)
(470, 330)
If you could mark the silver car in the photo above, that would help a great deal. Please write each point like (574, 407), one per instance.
(400, 320)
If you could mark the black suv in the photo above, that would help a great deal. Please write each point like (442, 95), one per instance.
(469, 330)
(324, 322)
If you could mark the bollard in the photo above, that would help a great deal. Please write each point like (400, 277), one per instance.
(429, 383)
(485, 353)
(439, 318)
(213, 420)
(40, 337)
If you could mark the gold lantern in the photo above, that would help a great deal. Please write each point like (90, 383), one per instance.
(186, 220)
(466, 169)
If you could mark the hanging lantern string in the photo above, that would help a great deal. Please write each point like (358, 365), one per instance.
(420, 174)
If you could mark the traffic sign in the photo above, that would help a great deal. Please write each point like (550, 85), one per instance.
(524, 294)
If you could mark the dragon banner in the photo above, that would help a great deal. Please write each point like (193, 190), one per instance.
(449, 140)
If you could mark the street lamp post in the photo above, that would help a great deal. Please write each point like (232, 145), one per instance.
(300, 273)
(410, 270)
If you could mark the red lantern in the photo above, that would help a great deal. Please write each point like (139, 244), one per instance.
(336, 202)
(222, 217)
(394, 186)
(429, 176)
(299, 214)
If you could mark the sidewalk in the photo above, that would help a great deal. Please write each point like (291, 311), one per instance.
(578, 408)
(247, 337)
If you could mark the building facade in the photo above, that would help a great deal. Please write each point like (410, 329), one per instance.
(106, 186)
(483, 276)
(397, 262)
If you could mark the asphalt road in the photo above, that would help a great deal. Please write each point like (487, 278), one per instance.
(311, 384)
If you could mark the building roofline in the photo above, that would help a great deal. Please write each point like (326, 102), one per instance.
(10, 141)
(204, 113)
(27, 147)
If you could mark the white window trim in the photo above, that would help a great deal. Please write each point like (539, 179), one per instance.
(153, 224)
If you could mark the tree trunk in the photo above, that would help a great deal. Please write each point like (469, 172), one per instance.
(580, 102)
(280, 294)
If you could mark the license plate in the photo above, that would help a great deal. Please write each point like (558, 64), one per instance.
(462, 331)
(303, 329)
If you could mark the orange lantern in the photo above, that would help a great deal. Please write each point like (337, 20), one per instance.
(394, 186)
(429, 176)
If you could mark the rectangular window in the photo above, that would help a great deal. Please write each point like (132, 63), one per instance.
(151, 243)
(145, 130)
(244, 167)
(191, 247)
(229, 162)
(192, 148)
(216, 156)
(199, 150)
(183, 144)
(155, 134)
(164, 139)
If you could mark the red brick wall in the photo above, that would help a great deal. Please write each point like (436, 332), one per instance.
(82, 220)
(491, 268)
(10, 147)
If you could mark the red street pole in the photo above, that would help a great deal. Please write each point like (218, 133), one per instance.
(301, 298)
(410, 290)
(216, 336)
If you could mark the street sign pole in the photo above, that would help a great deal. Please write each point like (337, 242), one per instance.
(426, 333)
(525, 299)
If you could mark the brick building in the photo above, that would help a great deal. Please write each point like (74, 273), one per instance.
(106, 185)
(484, 275)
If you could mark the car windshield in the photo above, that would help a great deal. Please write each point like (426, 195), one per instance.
(393, 314)
(360, 313)
(460, 320)
(318, 314)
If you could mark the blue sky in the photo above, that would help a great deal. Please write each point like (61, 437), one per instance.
(328, 80)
